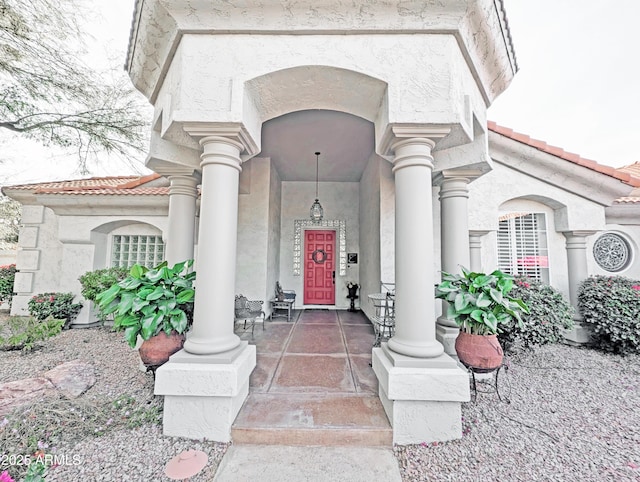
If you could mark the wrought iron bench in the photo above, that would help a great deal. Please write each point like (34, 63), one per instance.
(248, 311)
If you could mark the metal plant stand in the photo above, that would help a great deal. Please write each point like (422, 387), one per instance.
(493, 386)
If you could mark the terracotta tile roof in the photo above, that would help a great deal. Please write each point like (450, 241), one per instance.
(631, 177)
(141, 191)
(628, 200)
(633, 169)
(117, 185)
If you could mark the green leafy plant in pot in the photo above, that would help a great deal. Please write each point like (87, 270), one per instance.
(479, 303)
(155, 304)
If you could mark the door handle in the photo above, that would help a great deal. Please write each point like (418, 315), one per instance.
(333, 277)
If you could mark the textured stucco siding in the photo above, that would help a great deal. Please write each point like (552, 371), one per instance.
(369, 223)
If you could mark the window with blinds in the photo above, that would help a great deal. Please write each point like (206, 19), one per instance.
(127, 250)
(522, 245)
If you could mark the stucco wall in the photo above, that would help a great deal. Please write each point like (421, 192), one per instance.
(210, 80)
(507, 190)
(632, 235)
(387, 224)
(253, 229)
(273, 239)
(369, 218)
(54, 251)
(340, 200)
(39, 257)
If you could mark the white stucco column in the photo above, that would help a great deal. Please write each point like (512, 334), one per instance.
(205, 384)
(212, 330)
(454, 247)
(420, 386)
(183, 193)
(475, 249)
(414, 304)
(576, 244)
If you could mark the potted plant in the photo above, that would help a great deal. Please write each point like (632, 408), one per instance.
(155, 304)
(479, 303)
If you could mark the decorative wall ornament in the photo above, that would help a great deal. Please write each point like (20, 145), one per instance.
(612, 252)
(341, 228)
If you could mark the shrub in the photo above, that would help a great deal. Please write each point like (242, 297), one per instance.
(95, 282)
(55, 305)
(7, 277)
(610, 305)
(549, 314)
(23, 332)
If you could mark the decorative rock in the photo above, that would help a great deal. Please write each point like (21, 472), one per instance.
(72, 378)
(15, 394)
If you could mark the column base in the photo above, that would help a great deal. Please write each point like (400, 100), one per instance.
(579, 335)
(421, 397)
(20, 305)
(204, 393)
(447, 335)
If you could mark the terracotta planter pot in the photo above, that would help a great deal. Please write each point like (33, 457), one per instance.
(482, 352)
(156, 350)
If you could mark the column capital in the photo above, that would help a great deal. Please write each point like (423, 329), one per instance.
(395, 133)
(581, 233)
(467, 175)
(222, 151)
(454, 187)
(183, 184)
(231, 130)
(478, 233)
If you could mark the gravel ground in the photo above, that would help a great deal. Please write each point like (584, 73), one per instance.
(574, 416)
(138, 454)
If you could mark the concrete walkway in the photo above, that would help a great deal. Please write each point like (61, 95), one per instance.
(277, 463)
(313, 384)
(313, 413)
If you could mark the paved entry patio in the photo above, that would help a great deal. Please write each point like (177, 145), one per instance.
(313, 384)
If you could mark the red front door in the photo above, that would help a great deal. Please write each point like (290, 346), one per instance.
(319, 267)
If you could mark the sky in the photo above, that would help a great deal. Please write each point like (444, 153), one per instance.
(577, 85)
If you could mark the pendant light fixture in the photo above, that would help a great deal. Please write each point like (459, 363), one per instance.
(316, 212)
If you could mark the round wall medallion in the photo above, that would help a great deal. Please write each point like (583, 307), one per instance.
(612, 252)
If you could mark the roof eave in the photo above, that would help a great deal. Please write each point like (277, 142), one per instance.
(579, 180)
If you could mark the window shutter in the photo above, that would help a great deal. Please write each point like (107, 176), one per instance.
(522, 245)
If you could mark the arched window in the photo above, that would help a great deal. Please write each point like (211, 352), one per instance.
(522, 245)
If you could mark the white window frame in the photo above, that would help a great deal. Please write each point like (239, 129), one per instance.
(527, 244)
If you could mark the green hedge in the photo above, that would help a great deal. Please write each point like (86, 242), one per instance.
(610, 305)
(59, 306)
(549, 315)
(7, 277)
(95, 282)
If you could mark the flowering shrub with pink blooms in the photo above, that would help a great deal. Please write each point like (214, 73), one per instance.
(549, 315)
(7, 277)
(5, 477)
(610, 305)
(59, 306)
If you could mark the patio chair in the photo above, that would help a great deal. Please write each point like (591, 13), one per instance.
(384, 319)
(247, 311)
(387, 288)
